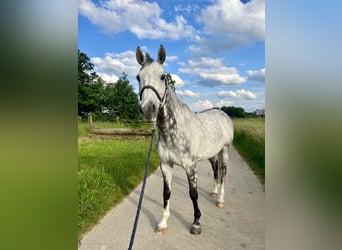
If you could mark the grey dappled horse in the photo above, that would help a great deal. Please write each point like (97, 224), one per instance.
(184, 137)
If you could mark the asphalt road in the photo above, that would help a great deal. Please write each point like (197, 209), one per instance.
(239, 225)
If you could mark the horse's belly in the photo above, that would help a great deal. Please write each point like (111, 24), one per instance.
(207, 151)
(210, 142)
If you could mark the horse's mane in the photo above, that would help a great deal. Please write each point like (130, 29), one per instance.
(182, 104)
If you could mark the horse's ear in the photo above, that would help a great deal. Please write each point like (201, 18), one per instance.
(161, 54)
(140, 56)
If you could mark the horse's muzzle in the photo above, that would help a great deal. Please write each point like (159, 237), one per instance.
(148, 110)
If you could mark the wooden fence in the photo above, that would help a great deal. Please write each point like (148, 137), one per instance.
(118, 131)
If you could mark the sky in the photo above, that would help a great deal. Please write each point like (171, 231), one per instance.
(215, 48)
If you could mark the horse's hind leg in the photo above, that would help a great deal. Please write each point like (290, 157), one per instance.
(214, 166)
(192, 179)
(167, 177)
(223, 165)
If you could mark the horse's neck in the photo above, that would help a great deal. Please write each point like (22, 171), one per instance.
(171, 115)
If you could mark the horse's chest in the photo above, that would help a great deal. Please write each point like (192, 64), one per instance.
(175, 150)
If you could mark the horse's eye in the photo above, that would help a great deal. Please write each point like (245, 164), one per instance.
(162, 77)
(138, 78)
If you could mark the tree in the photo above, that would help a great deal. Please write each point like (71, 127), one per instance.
(234, 111)
(85, 69)
(90, 86)
(121, 101)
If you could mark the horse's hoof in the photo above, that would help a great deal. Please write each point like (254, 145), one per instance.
(220, 204)
(161, 230)
(195, 229)
(213, 195)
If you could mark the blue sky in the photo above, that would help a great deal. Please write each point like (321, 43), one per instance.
(215, 48)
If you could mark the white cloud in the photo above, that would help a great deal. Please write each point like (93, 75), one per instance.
(205, 62)
(214, 44)
(256, 75)
(109, 78)
(239, 94)
(180, 8)
(212, 72)
(226, 103)
(188, 9)
(171, 58)
(222, 75)
(235, 19)
(179, 82)
(201, 105)
(228, 25)
(187, 93)
(111, 67)
(142, 18)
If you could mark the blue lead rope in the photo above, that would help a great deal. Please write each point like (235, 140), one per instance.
(141, 193)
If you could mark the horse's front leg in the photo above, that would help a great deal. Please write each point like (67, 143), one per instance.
(167, 177)
(192, 179)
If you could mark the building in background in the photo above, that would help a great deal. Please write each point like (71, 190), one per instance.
(259, 112)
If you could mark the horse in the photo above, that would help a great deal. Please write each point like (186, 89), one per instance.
(184, 138)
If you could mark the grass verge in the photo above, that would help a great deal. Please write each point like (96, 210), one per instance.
(249, 140)
(108, 170)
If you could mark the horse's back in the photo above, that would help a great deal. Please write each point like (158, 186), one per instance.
(221, 121)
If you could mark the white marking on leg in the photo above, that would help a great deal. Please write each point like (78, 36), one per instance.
(221, 196)
(215, 190)
(223, 172)
(216, 185)
(167, 173)
(166, 215)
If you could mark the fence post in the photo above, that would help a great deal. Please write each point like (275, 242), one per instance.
(90, 120)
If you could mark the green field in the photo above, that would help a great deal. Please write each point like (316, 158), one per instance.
(249, 140)
(108, 170)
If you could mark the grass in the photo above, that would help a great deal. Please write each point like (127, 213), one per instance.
(83, 130)
(249, 139)
(108, 170)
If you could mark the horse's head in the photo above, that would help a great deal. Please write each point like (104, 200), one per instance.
(152, 83)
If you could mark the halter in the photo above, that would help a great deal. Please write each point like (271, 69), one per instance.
(161, 99)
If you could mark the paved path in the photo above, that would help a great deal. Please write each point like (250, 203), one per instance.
(239, 225)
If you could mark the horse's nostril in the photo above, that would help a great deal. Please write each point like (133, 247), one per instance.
(153, 108)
